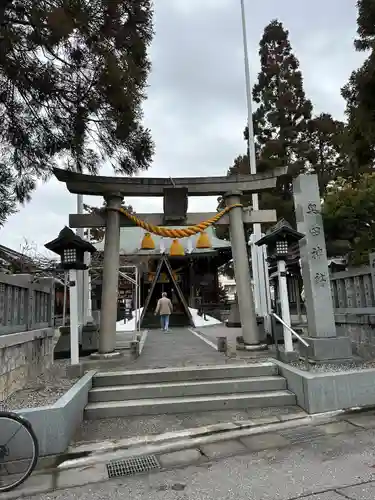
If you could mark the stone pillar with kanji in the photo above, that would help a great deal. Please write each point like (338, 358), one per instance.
(324, 345)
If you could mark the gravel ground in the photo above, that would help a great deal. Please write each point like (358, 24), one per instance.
(335, 367)
(212, 332)
(44, 390)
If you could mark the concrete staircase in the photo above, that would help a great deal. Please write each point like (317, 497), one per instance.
(187, 390)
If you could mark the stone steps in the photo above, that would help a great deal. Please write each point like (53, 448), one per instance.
(159, 406)
(190, 388)
(183, 374)
(187, 390)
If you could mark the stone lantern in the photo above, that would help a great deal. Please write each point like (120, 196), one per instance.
(279, 241)
(71, 248)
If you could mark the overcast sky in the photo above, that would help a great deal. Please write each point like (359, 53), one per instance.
(196, 105)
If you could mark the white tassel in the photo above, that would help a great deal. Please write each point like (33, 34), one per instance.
(162, 245)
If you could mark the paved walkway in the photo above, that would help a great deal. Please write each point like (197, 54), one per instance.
(180, 347)
(211, 333)
(330, 462)
(214, 331)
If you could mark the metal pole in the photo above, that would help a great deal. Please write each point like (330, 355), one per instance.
(137, 325)
(64, 299)
(80, 231)
(251, 145)
(284, 303)
(135, 303)
(267, 319)
(260, 285)
(255, 268)
(80, 274)
(74, 324)
(139, 294)
(87, 304)
(298, 298)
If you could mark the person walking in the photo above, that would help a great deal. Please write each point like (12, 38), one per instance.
(164, 308)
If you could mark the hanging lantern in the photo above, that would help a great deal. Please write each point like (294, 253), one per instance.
(147, 242)
(176, 248)
(203, 241)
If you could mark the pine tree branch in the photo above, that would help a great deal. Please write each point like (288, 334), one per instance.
(21, 22)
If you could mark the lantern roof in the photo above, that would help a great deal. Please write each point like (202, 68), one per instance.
(68, 239)
(280, 231)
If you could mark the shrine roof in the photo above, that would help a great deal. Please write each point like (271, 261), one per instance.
(131, 239)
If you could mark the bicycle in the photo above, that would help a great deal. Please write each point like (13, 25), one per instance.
(16, 433)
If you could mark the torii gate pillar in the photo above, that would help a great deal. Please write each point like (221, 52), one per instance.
(108, 313)
(250, 332)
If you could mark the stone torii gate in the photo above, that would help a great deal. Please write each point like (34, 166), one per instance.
(175, 193)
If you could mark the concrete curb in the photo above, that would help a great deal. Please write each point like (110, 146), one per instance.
(171, 455)
(193, 440)
(55, 425)
(317, 392)
(221, 431)
(194, 432)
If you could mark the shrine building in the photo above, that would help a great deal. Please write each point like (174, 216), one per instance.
(186, 269)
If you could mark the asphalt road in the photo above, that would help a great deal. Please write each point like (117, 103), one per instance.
(337, 467)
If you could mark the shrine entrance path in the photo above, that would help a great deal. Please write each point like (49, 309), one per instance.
(176, 349)
(179, 347)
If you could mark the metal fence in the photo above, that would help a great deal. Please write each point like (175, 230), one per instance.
(26, 303)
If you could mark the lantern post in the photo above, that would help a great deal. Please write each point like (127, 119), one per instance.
(72, 248)
(278, 242)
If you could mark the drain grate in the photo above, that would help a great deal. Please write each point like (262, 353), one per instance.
(302, 435)
(132, 466)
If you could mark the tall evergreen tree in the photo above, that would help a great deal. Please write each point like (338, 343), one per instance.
(7, 196)
(72, 80)
(325, 149)
(281, 118)
(359, 94)
(280, 121)
(349, 222)
(285, 134)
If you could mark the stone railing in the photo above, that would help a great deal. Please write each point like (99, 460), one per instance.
(25, 303)
(26, 330)
(353, 290)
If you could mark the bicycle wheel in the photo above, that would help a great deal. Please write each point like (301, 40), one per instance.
(19, 450)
